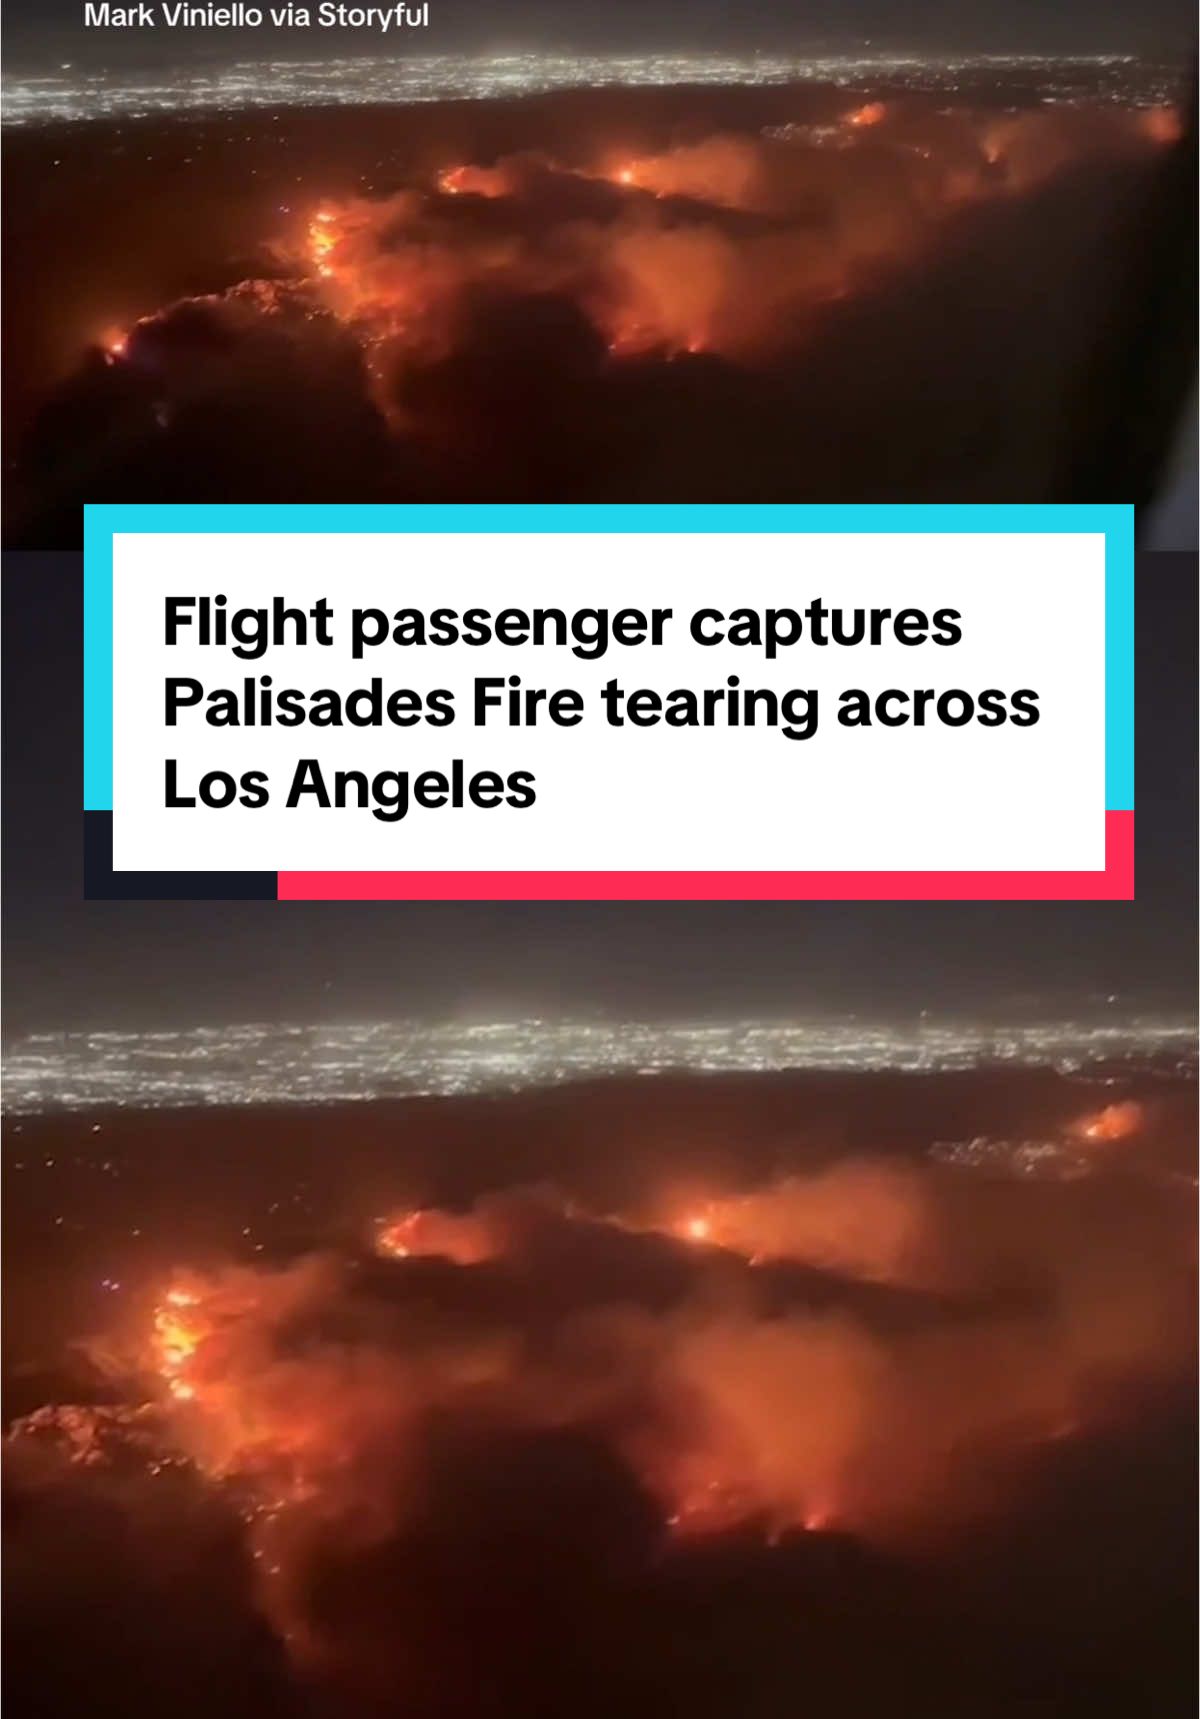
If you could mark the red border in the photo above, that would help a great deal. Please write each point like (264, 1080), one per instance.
(1114, 883)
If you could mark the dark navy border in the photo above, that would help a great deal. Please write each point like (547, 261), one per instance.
(102, 883)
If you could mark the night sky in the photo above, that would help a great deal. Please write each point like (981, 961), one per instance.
(38, 31)
(97, 964)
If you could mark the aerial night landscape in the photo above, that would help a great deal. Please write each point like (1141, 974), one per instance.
(656, 255)
(571, 1310)
(503, 1309)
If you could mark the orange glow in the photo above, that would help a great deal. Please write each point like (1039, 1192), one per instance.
(463, 1238)
(724, 171)
(871, 113)
(1161, 124)
(469, 180)
(312, 1396)
(322, 238)
(1114, 1122)
(405, 271)
(180, 1328)
(860, 1217)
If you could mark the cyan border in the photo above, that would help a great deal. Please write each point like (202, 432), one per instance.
(1113, 522)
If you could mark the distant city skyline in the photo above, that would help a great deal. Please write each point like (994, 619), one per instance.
(324, 1064)
(203, 85)
(39, 32)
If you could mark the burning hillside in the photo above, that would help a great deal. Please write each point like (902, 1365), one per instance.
(873, 1349)
(723, 245)
(734, 317)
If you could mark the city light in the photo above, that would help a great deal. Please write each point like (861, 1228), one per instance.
(277, 1063)
(77, 93)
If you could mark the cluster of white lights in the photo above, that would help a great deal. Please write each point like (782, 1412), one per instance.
(75, 93)
(277, 1064)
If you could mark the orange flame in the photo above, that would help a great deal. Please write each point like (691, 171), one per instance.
(871, 113)
(474, 181)
(1114, 1122)
(463, 1238)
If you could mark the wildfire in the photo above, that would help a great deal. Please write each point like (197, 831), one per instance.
(179, 1330)
(406, 273)
(322, 238)
(469, 180)
(864, 1218)
(114, 343)
(463, 1238)
(707, 1508)
(1114, 1122)
(730, 261)
(314, 1399)
(871, 113)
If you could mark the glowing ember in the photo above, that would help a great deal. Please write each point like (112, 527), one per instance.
(871, 113)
